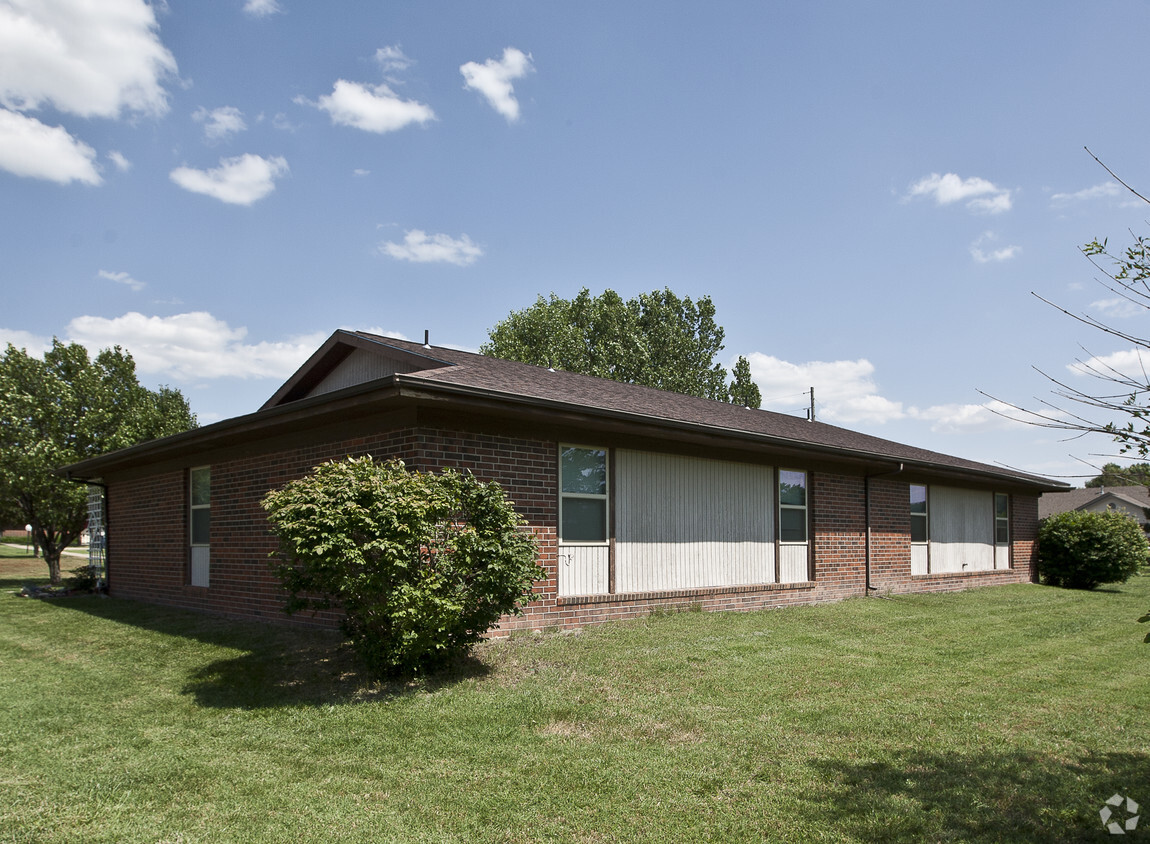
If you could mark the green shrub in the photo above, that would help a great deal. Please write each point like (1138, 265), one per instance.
(421, 565)
(83, 579)
(1081, 550)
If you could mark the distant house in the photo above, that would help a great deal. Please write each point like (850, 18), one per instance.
(1132, 500)
(639, 498)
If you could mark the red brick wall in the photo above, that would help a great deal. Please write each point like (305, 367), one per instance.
(148, 551)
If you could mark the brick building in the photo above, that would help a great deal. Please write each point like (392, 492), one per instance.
(639, 498)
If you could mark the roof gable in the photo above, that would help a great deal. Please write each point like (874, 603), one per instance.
(348, 359)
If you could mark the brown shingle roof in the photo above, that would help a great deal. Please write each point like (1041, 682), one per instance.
(471, 370)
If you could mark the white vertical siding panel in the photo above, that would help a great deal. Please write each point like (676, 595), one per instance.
(201, 563)
(1002, 556)
(685, 522)
(919, 557)
(793, 566)
(582, 570)
(961, 530)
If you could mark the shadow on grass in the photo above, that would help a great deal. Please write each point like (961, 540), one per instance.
(981, 797)
(278, 665)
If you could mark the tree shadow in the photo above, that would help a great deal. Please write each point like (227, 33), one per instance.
(280, 665)
(983, 796)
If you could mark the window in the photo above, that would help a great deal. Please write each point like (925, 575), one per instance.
(792, 506)
(1001, 518)
(583, 494)
(199, 523)
(918, 514)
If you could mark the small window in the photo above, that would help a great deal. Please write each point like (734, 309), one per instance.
(199, 525)
(918, 514)
(583, 494)
(792, 506)
(1001, 518)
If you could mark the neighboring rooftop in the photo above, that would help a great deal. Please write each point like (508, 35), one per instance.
(1077, 499)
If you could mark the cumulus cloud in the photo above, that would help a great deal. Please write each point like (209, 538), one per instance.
(1106, 190)
(983, 251)
(33, 344)
(422, 248)
(370, 108)
(34, 150)
(220, 123)
(967, 418)
(1117, 308)
(121, 278)
(979, 194)
(88, 59)
(261, 8)
(193, 346)
(391, 59)
(493, 80)
(845, 390)
(242, 180)
(118, 161)
(1131, 362)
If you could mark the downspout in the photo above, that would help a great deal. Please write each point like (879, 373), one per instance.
(866, 507)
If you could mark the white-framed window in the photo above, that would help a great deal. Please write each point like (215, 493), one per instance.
(792, 505)
(199, 523)
(1001, 518)
(582, 494)
(919, 514)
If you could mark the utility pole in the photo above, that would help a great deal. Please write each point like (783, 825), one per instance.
(811, 412)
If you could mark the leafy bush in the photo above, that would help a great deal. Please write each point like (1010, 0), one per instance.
(83, 579)
(1081, 550)
(421, 565)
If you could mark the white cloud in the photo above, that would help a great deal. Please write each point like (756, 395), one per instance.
(392, 59)
(359, 171)
(1102, 191)
(967, 418)
(32, 149)
(421, 248)
(983, 253)
(370, 108)
(122, 278)
(193, 346)
(979, 194)
(92, 59)
(493, 80)
(119, 162)
(239, 181)
(220, 123)
(1129, 362)
(261, 8)
(845, 391)
(1117, 308)
(26, 340)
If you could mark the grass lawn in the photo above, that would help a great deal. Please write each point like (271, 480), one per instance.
(1002, 714)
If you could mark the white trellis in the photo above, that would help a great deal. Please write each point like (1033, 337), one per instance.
(97, 562)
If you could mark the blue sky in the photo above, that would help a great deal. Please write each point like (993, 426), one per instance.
(868, 192)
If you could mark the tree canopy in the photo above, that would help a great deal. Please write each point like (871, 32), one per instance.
(656, 339)
(1136, 474)
(63, 408)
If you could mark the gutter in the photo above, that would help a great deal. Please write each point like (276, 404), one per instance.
(868, 589)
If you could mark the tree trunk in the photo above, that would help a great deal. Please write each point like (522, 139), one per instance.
(53, 561)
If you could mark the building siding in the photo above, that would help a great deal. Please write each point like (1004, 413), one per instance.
(149, 555)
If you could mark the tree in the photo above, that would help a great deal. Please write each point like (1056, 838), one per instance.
(1118, 407)
(421, 565)
(1136, 474)
(656, 339)
(743, 389)
(1081, 550)
(64, 408)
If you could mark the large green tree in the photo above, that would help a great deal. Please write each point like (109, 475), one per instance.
(1136, 474)
(656, 339)
(66, 407)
